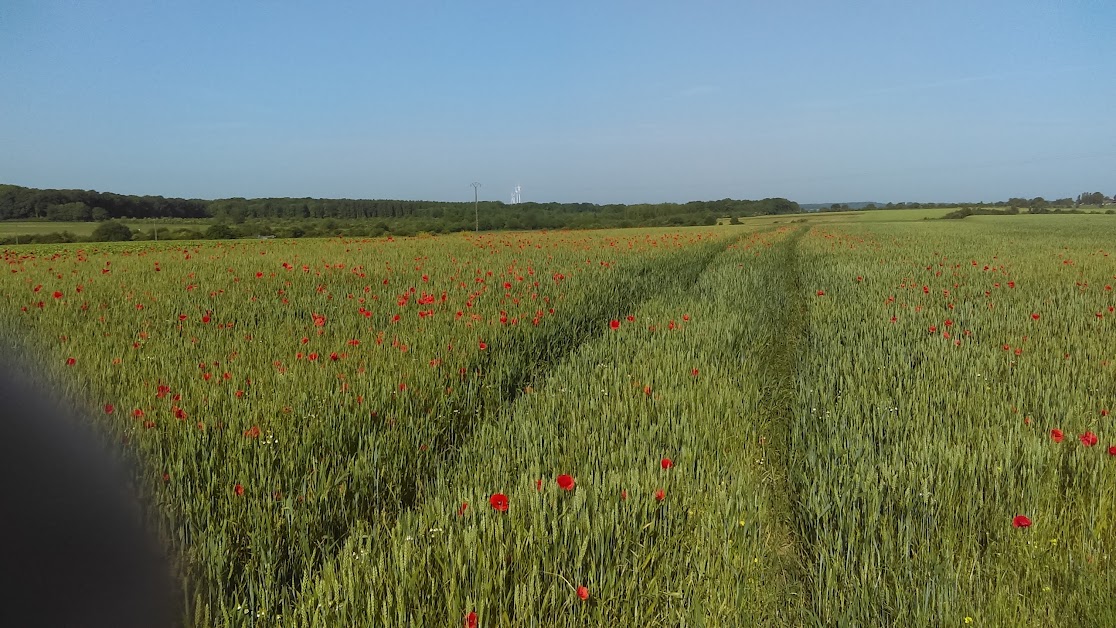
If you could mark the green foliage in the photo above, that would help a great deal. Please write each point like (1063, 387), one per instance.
(76, 210)
(220, 231)
(397, 217)
(112, 231)
(1091, 198)
(965, 212)
(20, 203)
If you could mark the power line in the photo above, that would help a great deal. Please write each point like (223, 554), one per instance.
(477, 213)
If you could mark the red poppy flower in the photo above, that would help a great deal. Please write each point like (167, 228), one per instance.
(583, 593)
(1056, 434)
(471, 620)
(482, 346)
(624, 493)
(538, 485)
(566, 482)
(252, 432)
(1035, 316)
(631, 319)
(461, 510)
(137, 413)
(614, 324)
(70, 361)
(1021, 521)
(660, 495)
(694, 372)
(109, 408)
(1112, 450)
(499, 502)
(1088, 439)
(238, 489)
(57, 294)
(666, 463)
(821, 293)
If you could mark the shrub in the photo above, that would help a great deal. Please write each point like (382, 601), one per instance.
(112, 231)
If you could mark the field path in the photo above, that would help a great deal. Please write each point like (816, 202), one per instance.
(786, 317)
(671, 426)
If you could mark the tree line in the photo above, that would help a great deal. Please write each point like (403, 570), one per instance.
(1035, 205)
(21, 203)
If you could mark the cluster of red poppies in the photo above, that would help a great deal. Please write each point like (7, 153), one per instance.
(499, 503)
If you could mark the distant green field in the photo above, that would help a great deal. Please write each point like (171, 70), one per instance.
(85, 229)
(903, 215)
(851, 217)
(1099, 219)
(877, 216)
(881, 216)
(35, 227)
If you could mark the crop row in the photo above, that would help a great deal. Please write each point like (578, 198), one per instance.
(275, 396)
(633, 486)
(942, 369)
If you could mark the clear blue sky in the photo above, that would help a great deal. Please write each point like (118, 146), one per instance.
(602, 101)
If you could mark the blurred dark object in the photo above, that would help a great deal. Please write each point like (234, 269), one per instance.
(73, 547)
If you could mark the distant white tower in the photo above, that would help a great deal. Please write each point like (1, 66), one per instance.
(516, 198)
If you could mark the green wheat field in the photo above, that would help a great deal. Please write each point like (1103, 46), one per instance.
(823, 420)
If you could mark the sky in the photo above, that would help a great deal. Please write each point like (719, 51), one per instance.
(602, 102)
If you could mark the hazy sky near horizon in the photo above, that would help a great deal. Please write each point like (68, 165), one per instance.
(601, 102)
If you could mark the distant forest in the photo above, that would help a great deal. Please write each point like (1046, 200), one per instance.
(315, 217)
(21, 203)
(1036, 205)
